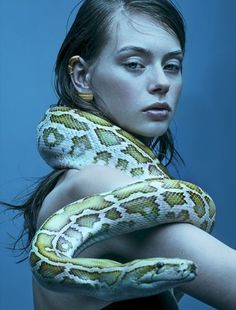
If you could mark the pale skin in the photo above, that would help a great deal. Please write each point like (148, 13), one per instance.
(124, 91)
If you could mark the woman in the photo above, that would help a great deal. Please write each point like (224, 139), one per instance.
(129, 69)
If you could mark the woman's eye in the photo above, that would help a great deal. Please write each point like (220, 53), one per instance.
(134, 65)
(173, 68)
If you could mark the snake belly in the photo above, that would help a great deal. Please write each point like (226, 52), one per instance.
(68, 138)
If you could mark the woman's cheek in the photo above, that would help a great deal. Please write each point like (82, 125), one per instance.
(179, 86)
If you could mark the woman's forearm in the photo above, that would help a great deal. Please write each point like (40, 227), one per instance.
(215, 283)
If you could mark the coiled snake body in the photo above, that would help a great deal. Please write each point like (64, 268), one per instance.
(73, 139)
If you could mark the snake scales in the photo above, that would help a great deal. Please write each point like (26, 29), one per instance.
(73, 139)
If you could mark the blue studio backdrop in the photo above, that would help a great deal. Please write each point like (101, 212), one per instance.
(31, 33)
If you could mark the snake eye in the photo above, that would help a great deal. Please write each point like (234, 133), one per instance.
(160, 265)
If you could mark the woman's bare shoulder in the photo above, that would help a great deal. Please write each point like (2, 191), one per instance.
(77, 184)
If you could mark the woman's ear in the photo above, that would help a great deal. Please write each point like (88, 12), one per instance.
(80, 76)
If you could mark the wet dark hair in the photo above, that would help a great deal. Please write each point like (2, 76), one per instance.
(87, 36)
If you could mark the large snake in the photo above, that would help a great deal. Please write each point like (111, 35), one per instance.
(73, 139)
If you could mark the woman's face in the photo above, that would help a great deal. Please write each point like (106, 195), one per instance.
(137, 78)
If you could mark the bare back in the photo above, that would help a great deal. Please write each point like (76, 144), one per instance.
(72, 186)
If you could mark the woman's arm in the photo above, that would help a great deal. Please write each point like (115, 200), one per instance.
(216, 280)
(215, 283)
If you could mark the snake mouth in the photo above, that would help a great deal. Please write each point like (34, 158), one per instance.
(186, 274)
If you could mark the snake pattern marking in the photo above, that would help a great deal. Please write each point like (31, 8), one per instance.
(68, 138)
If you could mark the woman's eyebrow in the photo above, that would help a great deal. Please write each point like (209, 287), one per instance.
(137, 49)
(177, 53)
(142, 50)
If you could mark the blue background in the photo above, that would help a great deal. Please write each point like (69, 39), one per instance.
(31, 33)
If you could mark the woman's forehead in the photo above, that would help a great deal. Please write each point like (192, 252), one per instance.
(141, 31)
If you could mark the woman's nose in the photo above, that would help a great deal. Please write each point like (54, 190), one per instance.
(159, 83)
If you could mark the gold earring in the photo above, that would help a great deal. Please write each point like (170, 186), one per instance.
(72, 62)
(88, 97)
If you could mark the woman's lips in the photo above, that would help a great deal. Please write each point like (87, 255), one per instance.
(157, 115)
(158, 111)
